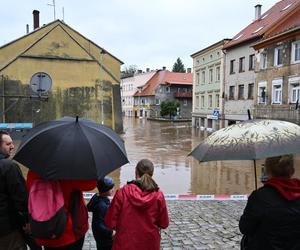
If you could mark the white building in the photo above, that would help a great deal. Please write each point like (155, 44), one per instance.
(129, 86)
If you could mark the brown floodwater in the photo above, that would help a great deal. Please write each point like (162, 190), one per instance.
(167, 145)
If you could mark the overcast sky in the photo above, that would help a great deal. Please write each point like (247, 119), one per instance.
(146, 33)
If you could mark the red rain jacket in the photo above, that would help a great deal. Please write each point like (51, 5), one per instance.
(137, 217)
(68, 237)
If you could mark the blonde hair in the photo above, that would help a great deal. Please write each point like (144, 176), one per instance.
(144, 170)
(280, 166)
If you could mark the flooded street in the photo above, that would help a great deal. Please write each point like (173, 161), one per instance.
(167, 145)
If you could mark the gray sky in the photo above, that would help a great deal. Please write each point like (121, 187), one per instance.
(146, 33)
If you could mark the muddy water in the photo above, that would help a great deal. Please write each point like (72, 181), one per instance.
(167, 145)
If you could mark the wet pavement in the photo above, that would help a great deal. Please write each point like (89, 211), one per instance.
(197, 225)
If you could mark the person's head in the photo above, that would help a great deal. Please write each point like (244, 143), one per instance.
(6, 144)
(105, 186)
(280, 166)
(143, 173)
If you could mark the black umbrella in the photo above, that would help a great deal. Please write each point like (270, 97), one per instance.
(72, 149)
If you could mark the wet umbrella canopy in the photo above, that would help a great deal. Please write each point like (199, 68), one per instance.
(72, 149)
(250, 140)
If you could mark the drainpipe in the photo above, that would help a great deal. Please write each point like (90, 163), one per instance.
(223, 88)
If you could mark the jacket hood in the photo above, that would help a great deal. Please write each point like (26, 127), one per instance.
(139, 198)
(289, 188)
(91, 206)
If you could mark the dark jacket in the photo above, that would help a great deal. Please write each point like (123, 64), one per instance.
(98, 206)
(271, 219)
(13, 196)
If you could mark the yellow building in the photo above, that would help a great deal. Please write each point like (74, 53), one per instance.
(85, 77)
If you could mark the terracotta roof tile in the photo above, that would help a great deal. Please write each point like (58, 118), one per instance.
(258, 27)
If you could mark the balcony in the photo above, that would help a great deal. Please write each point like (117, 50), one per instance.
(183, 94)
(287, 113)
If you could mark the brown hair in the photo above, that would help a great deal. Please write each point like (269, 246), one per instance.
(280, 166)
(144, 170)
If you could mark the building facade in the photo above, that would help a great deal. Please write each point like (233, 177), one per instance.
(85, 77)
(241, 60)
(129, 86)
(278, 71)
(165, 86)
(208, 86)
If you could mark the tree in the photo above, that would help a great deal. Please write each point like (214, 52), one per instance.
(128, 71)
(178, 66)
(169, 108)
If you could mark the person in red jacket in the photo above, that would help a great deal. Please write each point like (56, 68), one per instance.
(72, 239)
(138, 211)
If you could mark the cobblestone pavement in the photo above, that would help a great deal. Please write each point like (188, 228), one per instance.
(197, 225)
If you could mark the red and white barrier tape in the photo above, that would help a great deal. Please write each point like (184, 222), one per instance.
(197, 197)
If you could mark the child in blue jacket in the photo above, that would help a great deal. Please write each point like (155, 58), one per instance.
(98, 205)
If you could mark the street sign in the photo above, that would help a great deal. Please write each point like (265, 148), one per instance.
(216, 112)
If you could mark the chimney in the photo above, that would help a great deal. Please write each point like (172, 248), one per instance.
(189, 70)
(147, 70)
(164, 67)
(257, 11)
(36, 19)
(27, 28)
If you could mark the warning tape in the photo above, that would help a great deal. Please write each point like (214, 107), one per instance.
(197, 197)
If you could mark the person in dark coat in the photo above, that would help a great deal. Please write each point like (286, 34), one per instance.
(13, 198)
(271, 219)
(98, 205)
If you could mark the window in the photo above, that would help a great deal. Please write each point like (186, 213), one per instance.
(210, 101)
(217, 100)
(263, 60)
(232, 66)
(278, 54)
(197, 102)
(167, 89)
(210, 75)
(185, 102)
(197, 78)
(218, 73)
(242, 64)
(251, 62)
(231, 92)
(295, 92)
(203, 77)
(296, 52)
(202, 101)
(157, 101)
(262, 92)
(241, 92)
(250, 91)
(276, 91)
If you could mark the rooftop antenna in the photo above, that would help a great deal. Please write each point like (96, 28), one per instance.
(53, 5)
(63, 12)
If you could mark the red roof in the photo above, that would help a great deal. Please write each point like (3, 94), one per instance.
(165, 77)
(258, 27)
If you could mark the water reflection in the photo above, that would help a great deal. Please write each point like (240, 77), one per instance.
(167, 145)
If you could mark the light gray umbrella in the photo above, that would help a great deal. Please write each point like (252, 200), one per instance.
(250, 140)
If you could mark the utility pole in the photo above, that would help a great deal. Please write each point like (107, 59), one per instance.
(102, 85)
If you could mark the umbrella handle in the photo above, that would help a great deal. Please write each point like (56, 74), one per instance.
(255, 175)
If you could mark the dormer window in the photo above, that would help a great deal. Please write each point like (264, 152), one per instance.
(238, 37)
(255, 31)
(286, 7)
